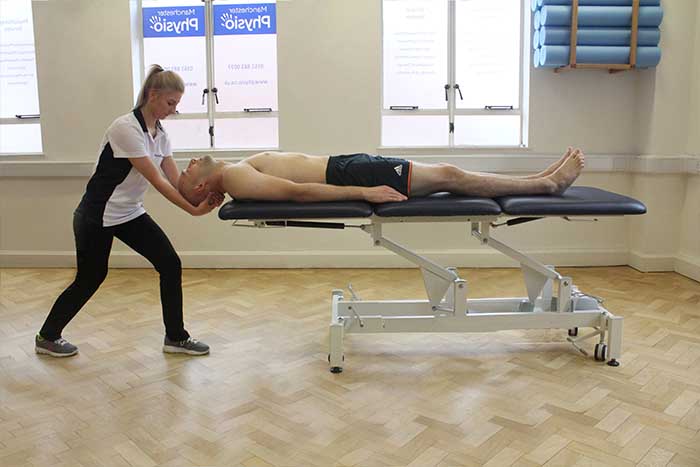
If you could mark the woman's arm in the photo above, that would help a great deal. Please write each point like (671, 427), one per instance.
(153, 175)
(169, 168)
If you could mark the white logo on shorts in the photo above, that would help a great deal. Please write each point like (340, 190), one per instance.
(398, 169)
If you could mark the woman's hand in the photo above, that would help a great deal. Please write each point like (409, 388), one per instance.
(216, 198)
(213, 200)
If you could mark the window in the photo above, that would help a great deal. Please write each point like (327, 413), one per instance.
(453, 73)
(20, 130)
(226, 52)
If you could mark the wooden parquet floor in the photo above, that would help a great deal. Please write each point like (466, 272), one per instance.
(265, 397)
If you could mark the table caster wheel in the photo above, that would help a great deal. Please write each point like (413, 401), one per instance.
(601, 352)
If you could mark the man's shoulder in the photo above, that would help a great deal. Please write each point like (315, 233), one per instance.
(239, 166)
(254, 160)
(237, 169)
(237, 178)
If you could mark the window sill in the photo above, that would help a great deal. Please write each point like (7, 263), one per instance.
(445, 148)
(20, 155)
(220, 153)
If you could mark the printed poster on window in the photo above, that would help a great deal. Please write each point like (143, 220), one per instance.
(18, 81)
(245, 55)
(174, 37)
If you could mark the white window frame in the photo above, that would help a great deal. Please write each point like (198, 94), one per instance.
(139, 75)
(451, 111)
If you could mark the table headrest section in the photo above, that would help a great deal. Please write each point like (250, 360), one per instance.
(439, 205)
(576, 201)
(269, 210)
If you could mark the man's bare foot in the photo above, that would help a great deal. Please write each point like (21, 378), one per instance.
(552, 168)
(565, 175)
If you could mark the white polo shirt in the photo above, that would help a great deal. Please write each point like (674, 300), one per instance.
(116, 190)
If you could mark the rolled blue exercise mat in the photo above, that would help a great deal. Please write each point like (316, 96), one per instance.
(601, 16)
(552, 56)
(534, 4)
(537, 20)
(536, 39)
(557, 35)
(536, 58)
(540, 3)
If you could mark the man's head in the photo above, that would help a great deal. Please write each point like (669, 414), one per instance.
(195, 181)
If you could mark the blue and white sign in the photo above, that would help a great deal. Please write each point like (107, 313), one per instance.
(173, 21)
(252, 18)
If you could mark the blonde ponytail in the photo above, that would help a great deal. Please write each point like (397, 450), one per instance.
(159, 79)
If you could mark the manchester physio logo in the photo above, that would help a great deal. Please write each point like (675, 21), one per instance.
(173, 21)
(258, 18)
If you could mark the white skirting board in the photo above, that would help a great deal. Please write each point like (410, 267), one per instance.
(685, 265)
(322, 259)
(651, 263)
(688, 266)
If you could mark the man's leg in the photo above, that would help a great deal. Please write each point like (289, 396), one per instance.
(552, 168)
(548, 171)
(427, 178)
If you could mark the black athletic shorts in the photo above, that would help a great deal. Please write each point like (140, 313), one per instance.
(366, 170)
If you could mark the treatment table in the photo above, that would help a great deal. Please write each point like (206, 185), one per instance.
(552, 302)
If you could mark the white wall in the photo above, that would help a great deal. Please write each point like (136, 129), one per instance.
(329, 63)
(668, 238)
(694, 120)
(689, 246)
(84, 70)
(663, 94)
(329, 72)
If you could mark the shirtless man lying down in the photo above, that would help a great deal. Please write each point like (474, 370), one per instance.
(288, 176)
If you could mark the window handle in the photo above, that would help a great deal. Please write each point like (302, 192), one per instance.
(403, 107)
(205, 91)
(258, 109)
(447, 88)
(460, 92)
(498, 107)
(27, 116)
(216, 95)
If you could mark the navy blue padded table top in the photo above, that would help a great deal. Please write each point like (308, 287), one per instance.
(576, 201)
(440, 205)
(273, 210)
(437, 205)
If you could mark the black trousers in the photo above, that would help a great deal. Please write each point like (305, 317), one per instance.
(93, 244)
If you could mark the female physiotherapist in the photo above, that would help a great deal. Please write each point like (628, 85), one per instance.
(134, 151)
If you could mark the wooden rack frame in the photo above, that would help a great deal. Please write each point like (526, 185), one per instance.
(611, 67)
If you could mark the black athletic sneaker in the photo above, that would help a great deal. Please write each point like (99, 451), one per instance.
(58, 348)
(189, 346)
